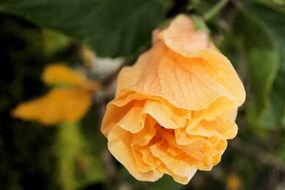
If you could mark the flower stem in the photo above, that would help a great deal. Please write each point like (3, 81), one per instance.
(215, 10)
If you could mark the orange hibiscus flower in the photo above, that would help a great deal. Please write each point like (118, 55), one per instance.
(175, 108)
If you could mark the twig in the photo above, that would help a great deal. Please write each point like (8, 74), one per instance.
(216, 9)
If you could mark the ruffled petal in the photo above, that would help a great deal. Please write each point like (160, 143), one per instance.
(144, 137)
(164, 115)
(133, 120)
(181, 37)
(187, 83)
(113, 115)
(182, 171)
(119, 142)
(217, 127)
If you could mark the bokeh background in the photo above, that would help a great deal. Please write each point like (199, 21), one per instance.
(97, 37)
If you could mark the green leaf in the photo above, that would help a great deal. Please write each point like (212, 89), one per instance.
(274, 19)
(263, 60)
(261, 29)
(112, 27)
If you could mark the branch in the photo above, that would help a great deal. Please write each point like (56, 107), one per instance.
(215, 10)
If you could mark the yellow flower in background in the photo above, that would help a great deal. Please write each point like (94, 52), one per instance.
(58, 74)
(57, 106)
(175, 108)
(233, 182)
(66, 103)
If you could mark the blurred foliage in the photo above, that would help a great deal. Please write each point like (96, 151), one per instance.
(112, 27)
(24, 164)
(265, 61)
(34, 33)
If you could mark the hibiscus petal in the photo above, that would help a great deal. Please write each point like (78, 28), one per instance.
(155, 109)
(144, 137)
(187, 85)
(113, 114)
(119, 142)
(133, 120)
(215, 128)
(189, 41)
(177, 166)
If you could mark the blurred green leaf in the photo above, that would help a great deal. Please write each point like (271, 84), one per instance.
(54, 41)
(264, 56)
(276, 4)
(77, 168)
(274, 19)
(112, 27)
